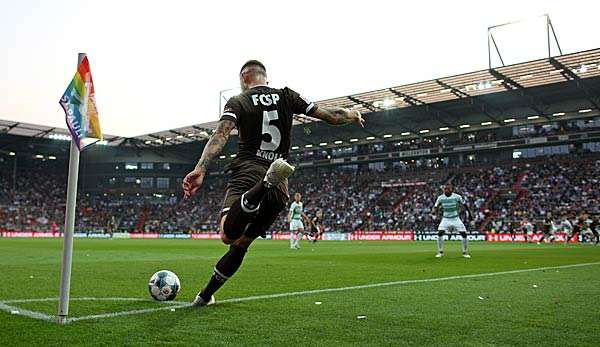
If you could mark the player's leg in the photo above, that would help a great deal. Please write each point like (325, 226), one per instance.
(300, 234)
(465, 244)
(239, 235)
(316, 234)
(440, 243)
(227, 266)
(442, 228)
(596, 236)
(243, 210)
(293, 233)
(460, 226)
(567, 237)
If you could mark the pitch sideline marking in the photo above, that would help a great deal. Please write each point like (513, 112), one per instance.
(27, 313)
(43, 316)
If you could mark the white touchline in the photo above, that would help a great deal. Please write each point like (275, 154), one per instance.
(17, 301)
(27, 313)
(170, 305)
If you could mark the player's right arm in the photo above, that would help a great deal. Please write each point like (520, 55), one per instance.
(289, 218)
(214, 146)
(434, 210)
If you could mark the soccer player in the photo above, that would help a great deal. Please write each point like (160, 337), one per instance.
(567, 228)
(295, 217)
(316, 226)
(589, 227)
(527, 229)
(594, 227)
(580, 227)
(548, 228)
(257, 189)
(451, 204)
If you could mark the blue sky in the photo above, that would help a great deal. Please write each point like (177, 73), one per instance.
(159, 65)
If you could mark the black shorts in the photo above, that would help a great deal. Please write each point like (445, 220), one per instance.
(243, 176)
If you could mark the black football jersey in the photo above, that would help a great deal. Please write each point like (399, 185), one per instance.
(263, 117)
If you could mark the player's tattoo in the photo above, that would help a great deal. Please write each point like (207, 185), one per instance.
(215, 143)
(336, 115)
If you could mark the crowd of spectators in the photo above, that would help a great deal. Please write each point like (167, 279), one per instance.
(351, 199)
(441, 142)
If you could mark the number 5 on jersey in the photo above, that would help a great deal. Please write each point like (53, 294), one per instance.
(272, 130)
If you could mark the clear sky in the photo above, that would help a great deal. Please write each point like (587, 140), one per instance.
(159, 65)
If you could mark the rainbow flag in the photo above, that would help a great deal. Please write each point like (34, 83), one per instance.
(79, 104)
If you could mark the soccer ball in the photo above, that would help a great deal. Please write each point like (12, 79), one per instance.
(164, 285)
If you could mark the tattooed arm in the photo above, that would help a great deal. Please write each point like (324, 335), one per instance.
(338, 116)
(214, 146)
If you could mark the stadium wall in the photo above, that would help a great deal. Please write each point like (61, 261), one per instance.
(354, 236)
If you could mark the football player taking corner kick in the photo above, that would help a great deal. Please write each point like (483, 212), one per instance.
(257, 190)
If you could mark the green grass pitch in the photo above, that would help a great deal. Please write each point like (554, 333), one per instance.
(558, 306)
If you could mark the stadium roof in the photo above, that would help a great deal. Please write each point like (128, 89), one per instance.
(40, 131)
(517, 77)
(435, 95)
(513, 77)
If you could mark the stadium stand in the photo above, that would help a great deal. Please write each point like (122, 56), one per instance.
(394, 199)
(515, 147)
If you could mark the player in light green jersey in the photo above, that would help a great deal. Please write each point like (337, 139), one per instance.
(451, 204)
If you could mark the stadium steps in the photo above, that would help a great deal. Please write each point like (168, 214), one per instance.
(522, 193)
(520, 179)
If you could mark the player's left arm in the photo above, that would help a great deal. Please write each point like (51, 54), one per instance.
(338, 116)
(329, 115)
(214, 146)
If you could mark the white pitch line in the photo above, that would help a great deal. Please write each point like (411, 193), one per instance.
(396, 283)
(26, 313)
(18, 301)
(46, 317)
(128, 313)
(43, 316)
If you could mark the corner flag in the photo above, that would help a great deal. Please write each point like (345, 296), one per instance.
(79, 104)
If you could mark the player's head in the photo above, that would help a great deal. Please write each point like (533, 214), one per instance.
(252, 73)
(448, 189)
(297, 197)
(319, 213)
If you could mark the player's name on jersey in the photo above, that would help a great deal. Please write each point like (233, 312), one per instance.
(268, 155)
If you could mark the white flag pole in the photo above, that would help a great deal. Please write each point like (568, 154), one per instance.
(67, 257)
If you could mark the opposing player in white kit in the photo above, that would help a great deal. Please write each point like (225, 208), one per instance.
(451, 204)
(295, 217)
(567, 228)
(528, 229)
